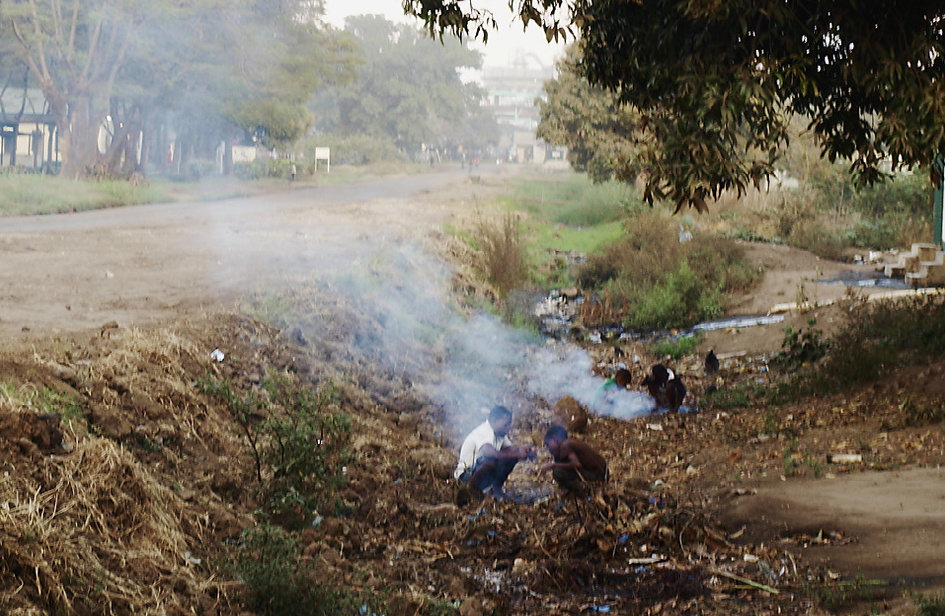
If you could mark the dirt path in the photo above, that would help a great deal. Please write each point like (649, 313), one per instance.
(140, 265)
(143, 265)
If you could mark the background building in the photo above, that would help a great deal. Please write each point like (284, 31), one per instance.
(512, 94)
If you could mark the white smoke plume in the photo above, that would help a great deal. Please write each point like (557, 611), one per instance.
(567, 370)
(465, 363)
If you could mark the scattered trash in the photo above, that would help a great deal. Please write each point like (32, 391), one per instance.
(844, 458)
(657, 427)
(192, 559)
(216, 354)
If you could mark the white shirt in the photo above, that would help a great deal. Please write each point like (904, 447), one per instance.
(482, 435)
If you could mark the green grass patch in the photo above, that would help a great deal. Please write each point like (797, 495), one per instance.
(23, 194)
(574, 200)
(42, 401)
(677, 348)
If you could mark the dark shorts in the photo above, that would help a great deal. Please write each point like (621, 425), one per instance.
(488, 472)
(576, 481)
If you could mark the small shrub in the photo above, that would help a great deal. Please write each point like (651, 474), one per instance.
(252, 170)
(931, 605)
(280, 582)
(802, 347)
(877, 336)
(353, 149)
(268, 564)
(298, 439)
(198, 169)
(677, 348)
(659, 282)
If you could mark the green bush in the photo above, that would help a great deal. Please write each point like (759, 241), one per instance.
(678, 348)
(279, 582)
(743, 395)
(679, 299)
(655, 281)
(931, 605)
(353, 149)
(298, 439)
(877, 336)
(576, 201)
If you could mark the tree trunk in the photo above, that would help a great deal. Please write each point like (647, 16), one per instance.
(145, 148)
(79, 142)
(228, 156)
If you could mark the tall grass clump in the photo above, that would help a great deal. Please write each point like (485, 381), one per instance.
(503, 253)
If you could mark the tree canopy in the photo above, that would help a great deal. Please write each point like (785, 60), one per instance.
(716, 83)
(408, 89)
(201, 71)
(591, 122)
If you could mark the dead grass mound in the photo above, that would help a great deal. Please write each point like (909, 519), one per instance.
(96, 535)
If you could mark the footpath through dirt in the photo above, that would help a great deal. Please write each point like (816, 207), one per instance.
(78, 276)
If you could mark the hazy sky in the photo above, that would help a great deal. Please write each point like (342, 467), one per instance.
(503, 45)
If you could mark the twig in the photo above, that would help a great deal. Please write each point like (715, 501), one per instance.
(738, 578)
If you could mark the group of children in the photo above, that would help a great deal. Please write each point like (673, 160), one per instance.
(488, 456)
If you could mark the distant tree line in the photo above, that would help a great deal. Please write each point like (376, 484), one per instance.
(160, 77)
(408, 92)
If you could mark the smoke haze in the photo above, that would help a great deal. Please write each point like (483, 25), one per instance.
(464, 362)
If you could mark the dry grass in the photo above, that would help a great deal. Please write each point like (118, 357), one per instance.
(98, 534)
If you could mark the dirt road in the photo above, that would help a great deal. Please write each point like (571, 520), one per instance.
(138, 265)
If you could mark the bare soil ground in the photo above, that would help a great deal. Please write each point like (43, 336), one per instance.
(121, 309)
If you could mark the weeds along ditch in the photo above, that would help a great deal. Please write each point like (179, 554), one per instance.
(594, 265)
